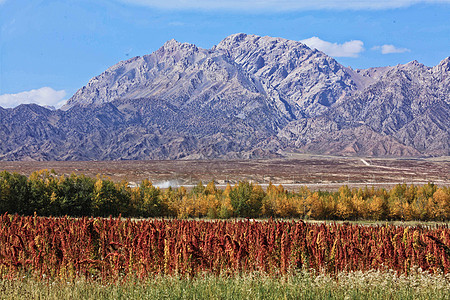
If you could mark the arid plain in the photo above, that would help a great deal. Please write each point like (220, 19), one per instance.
(317, 172)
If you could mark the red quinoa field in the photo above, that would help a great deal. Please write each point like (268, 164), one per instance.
(118, 249)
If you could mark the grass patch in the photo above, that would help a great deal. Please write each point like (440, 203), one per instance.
(355, 285)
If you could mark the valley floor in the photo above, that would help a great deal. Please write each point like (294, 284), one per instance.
(317, 172)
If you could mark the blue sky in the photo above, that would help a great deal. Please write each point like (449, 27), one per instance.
(49, 49)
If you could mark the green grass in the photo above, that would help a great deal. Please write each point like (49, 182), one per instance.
(357, 285)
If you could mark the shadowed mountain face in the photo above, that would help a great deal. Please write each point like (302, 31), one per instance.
(247, 97)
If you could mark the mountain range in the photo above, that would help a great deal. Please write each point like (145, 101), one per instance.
(247, 97)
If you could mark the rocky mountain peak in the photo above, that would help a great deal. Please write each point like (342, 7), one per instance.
(237, 39)
(444, 65)
(286, 71)
(243, 46)
(171, 43)
(291, 71)
(414, 63)
(172, 46)
(249, 96)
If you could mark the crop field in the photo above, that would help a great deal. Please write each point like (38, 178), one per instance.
(119, 253)
(175, 256)
(115, 249)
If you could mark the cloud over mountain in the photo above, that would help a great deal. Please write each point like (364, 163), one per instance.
(347, 49)
(389, 49)
(44, 96)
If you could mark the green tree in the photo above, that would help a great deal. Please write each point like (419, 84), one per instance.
(43, 186)
(151, 203)
(110, 199)
(246, 199)
(15, 194)
(75, 193)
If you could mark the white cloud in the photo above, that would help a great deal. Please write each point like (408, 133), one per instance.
(43, 96)
(389, 49)
(347, 49)
(279, 5)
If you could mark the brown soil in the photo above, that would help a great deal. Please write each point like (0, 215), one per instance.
(318, 172)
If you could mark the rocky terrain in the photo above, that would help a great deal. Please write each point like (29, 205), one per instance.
(247, 97)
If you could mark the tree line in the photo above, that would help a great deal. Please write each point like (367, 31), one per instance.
(47, 194)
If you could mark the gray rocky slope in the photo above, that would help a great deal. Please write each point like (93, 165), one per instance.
(249, 96)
